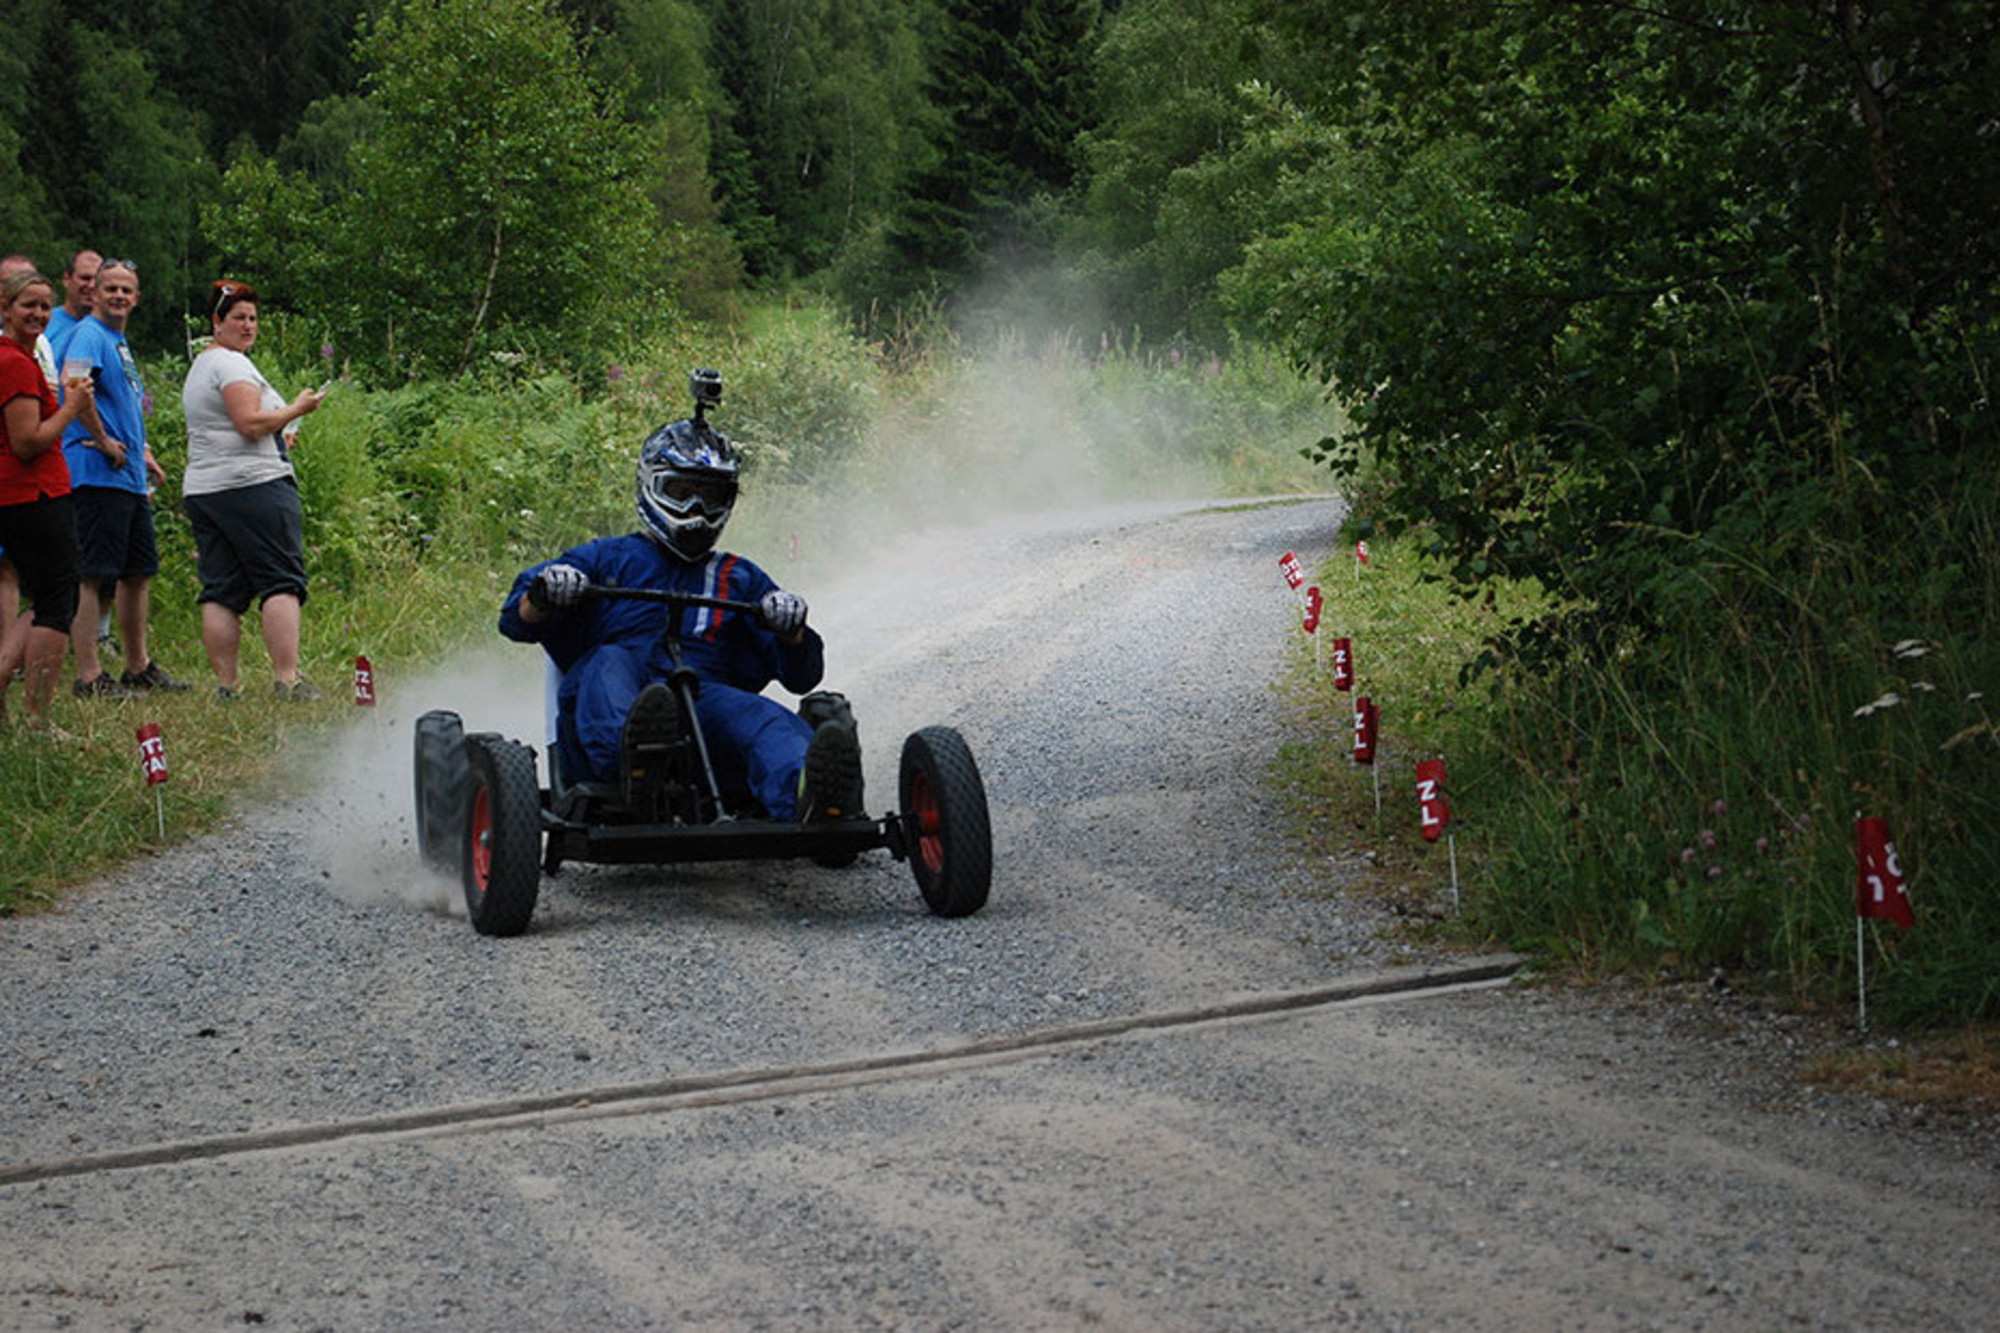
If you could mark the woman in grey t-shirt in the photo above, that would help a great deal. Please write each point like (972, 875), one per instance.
(241, 497)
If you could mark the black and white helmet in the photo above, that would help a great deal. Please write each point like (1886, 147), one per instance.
(687, 486)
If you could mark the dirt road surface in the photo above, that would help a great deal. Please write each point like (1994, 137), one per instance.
(1174, 1077)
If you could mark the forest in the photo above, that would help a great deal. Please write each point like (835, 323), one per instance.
(1678, 317)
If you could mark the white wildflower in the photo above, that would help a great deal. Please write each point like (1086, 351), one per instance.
(1911, 648)
(1889, 700)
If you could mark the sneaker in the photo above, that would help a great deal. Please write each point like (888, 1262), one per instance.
(830, 783)
(100, 686)
(651, 730)
(152, 678)
(227, 694)
(300, 691)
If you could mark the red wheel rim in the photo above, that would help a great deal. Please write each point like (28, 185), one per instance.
(930, 823)
(482, 837)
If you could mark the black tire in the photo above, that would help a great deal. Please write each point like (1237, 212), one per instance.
(944, 802)
(502, 836)
(442, 772)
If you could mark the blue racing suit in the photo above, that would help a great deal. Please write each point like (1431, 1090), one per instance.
(609, 649)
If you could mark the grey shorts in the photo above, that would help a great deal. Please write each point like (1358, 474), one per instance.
(249, 543)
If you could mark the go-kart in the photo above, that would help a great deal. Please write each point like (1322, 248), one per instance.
(482, 815)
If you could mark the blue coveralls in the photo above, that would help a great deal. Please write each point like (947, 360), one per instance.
(609, 649)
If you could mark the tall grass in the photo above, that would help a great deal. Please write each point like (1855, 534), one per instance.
(1687, 801)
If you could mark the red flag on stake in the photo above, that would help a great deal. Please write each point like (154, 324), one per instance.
(153, 760)
(1361, 552)
(1364, 730)
(1343, 664)
(1313, 605)
(364, 683)
(1432, 813)
(1878, 885)
(153, 754)
(1294, 576)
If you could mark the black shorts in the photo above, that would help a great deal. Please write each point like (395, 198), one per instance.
(40, 538)
(114, 534)
(249, 543)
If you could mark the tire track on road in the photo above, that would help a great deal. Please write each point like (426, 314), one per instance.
(662, 1096)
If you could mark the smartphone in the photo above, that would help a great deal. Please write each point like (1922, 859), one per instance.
(328, 385)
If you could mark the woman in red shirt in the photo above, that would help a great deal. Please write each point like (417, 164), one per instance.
(36, 526)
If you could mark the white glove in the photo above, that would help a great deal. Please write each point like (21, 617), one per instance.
(783, 613)
(558, 585)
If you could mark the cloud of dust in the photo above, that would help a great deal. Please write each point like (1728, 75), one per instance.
(1030, 435)
(363, 835)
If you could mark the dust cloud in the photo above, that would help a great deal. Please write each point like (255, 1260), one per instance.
(1028, 440)
(361, 829)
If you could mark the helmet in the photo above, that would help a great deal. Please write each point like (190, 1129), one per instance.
(686, 486)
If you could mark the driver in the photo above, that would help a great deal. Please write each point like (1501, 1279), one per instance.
(614, 704)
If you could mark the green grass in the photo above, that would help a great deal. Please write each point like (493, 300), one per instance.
(1688, 804)
(1410, 638)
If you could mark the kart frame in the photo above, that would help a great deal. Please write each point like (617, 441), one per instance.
(482, 812)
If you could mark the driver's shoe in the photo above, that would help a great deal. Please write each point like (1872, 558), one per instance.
(830, 783)
(645, 749)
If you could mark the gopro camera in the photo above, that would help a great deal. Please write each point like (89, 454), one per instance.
(706, 386)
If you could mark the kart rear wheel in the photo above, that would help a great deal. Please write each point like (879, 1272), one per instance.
(951, 847)
(502, 836)
(442, 772)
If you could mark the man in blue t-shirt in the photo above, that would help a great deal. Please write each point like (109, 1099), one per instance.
(111, 475)
(79, 299)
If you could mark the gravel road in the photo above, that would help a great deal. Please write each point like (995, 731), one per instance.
(272, 1078)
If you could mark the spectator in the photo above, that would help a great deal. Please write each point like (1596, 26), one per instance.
(10, 582)
(45, 355)
(111, 470)
(242, 497)
(79, 297)
(36, 523)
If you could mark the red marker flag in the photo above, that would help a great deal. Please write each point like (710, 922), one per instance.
(364, 683)
(1343, 664)
(1432, 813)
(1294, 576)
(152, 754)
(1313, 605)
(1364, 730)
(1878, 885)
(1361, 552)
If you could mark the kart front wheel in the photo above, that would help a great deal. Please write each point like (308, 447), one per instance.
(442, 771)
(502, 836)
(951, 842)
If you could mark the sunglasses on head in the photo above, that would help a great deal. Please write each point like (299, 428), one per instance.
(109, 264)
(228, 293)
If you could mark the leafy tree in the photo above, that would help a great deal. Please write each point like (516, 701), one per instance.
(494, 196)
(1012, 84)
(1197, 127)
(134, 166)
(1590, 277)
(820, 121)
(656, 50)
